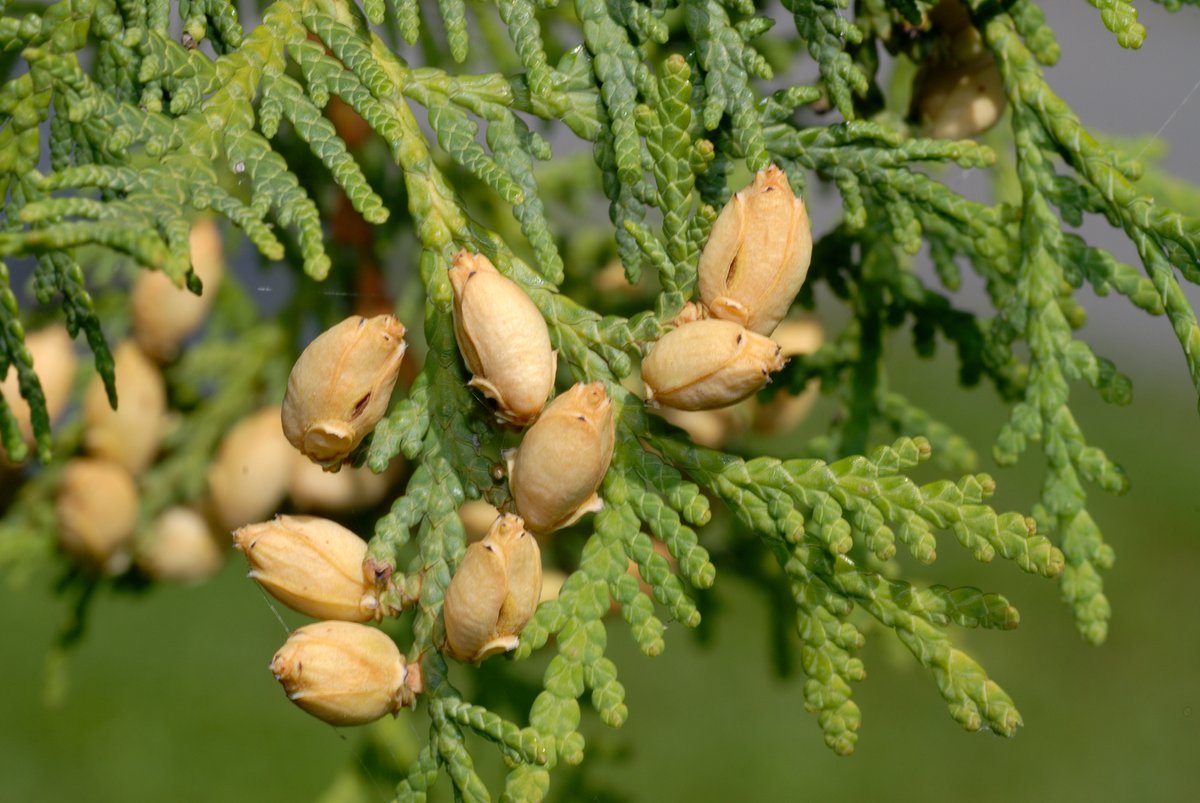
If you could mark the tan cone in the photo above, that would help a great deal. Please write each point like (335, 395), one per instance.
(494, 592)
(503, 339)
(340, 387)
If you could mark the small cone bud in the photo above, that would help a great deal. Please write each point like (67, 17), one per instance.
(708, 364)
(353, 489)
(54, 362)
(477, 517)
(340, 387)
(248, 479)
(312, 565)
(97, 510)
(181, 548)
(503, 339)
(164, 314)
(343, 673)
(784, 412)
(132, 433)
(757, 254)
(562, 459)
(494, 592)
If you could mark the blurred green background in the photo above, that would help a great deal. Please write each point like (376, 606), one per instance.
(170, 697)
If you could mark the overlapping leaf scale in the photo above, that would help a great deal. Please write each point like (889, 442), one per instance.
(618, 150)
(827, 33)
(1157, 232)
(728, 64)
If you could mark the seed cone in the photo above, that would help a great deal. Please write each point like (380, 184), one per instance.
(163, 314)
(494, 592)
(555, 473)
(340, 386)
(757, 254)
(708, 364)
(97, 510)
(249, 477)
(343, 673)
(54, 362)
(181, 548)
(312, 565)
(503, 339)
(958, 93)
(132, 433)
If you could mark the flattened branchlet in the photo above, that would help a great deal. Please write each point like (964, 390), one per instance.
(757, 254)
(494, 592)
(556, 471)
(503, 338)
(708, 364)
(340, 386)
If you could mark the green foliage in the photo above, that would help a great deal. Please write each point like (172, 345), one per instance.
(119, 157)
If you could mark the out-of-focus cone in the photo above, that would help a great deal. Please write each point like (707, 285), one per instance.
(132, 433)
(97, 509)
(54, 361)
(477, 517)
(163, 314)
(249, 477)
(181, 548)
(798, 336)
(312, 488)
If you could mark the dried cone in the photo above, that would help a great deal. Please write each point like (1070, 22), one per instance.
(97, 510)
(503, 339)
(477, 517)
(562, 459)
(708, 364)
(340, 386)
(312, 565)
(249, 477)
(343, 673)
(181, 548)
(54, 362)
(132, 433)
(164, 314)
(312, 488)
(494, 592)
(757, 254)
(960, 94)
(797, 337)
